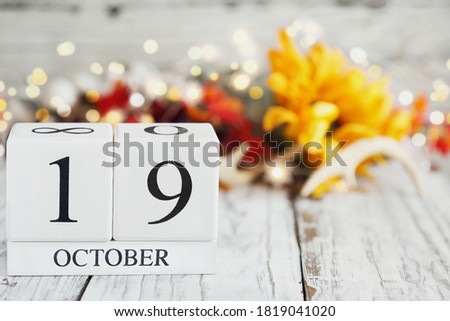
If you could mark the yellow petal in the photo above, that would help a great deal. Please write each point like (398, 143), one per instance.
(398, 125)
(353, 131)
(327, 64)
(278, 83)
(318, 120)
(276, 60)
(325, 111)
(277, 116)
(364, 171)
(325, 187)
(314, 132)
(295, 62)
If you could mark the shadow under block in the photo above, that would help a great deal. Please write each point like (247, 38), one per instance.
(110, 258)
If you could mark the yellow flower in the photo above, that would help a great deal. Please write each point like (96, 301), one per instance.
(319, 92)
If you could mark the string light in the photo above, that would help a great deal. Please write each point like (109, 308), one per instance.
(173, 94)
(96, 68)
(146, 118)
(32, 91)
(447, 118)
(150, 46)
(64, 110)
(250, 66)
(2, 86)
(308, 41)
(42, 114)
(114, 117)
(39, 76)
(374, 72)
(294, 28)
(137, 100)
(299, 24)
(441, 91)
(358, 55)
(256, 92)
(196, 70)
(209, 53)
(7, 115)
(234, 65)
(194, 53)
(193, 93)
(240, 36)
(92, 96)
(418, 139)
(291, 31)
(3, 104)
(448, 63)
(406, 97)
(66, 48)
(116, 68)
(12, 91)
(92, 116)
(3, 127)
(437, 117)
(278, 175)
(156, 87)
(30, 80)
(214, 76)
(55, 101)
(241, 81)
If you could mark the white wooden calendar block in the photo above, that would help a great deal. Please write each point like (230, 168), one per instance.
(166, 182)
(110, 258)
(57, 188)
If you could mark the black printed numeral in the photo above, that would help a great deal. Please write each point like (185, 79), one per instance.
(183, 196)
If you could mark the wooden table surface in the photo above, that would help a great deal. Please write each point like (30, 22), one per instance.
(381, 242)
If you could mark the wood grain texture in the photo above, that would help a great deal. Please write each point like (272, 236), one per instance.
(258, 258)
(32, 288)
(383, 242)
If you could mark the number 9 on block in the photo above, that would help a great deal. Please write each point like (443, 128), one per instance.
(165, 182)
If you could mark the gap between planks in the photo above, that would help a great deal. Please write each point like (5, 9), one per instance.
(258, 258)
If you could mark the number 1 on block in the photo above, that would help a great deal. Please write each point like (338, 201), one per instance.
(63, 164)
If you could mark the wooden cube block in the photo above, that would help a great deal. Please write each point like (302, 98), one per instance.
(165, 182)
(57, 188)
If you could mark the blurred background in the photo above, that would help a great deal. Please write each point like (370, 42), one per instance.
(51, 52)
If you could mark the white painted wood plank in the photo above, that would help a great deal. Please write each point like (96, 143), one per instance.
(32, 288)
(383, 242)
(258, 258)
